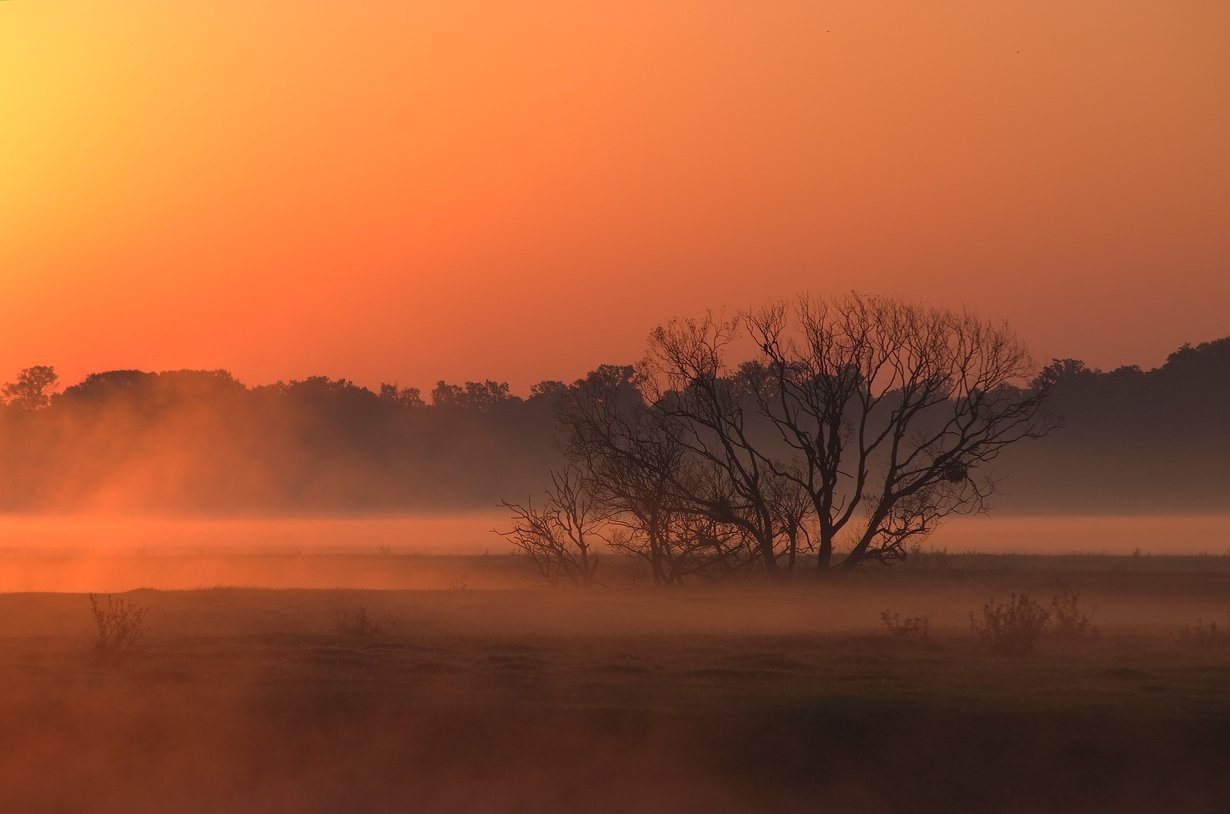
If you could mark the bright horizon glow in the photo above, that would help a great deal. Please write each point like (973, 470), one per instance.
(470, 533)
(411, 192)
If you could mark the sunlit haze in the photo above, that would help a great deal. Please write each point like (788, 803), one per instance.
(410, 192)
(614, 405)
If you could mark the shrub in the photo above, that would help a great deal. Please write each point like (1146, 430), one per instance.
(357, 624)
(1203, 634)
(120, 623)
(1067, 620)
(909, 627)
(1010, 629)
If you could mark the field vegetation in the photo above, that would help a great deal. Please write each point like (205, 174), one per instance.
(508, 696)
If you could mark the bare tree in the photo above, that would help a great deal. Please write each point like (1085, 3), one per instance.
(636, 466)
(560, 536)
(686, 379)
(890, 412)
(855, 426)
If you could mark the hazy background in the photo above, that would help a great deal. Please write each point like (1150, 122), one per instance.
(473, 191)
(413, 191)
(1129, 441)
(324, 197)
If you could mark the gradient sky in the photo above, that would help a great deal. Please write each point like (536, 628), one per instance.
(407, 191)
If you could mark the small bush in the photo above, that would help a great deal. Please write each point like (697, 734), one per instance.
(120, 623)
(1067, 620)
(1010, 629)
(357, 624)
(909, 627)
(1203, 634)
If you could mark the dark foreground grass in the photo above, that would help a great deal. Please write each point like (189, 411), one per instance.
(705, 700)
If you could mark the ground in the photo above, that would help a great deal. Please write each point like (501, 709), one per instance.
(489, 694)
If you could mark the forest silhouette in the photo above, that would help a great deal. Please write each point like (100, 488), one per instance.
(190, 441)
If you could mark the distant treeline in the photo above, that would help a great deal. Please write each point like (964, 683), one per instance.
(1131, 440)
(1134, 441)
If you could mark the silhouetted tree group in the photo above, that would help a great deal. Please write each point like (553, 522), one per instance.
(202, 441)
(1152, 441)
(1132, 441)
(848, 429)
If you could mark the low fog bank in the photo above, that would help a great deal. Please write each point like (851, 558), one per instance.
(199, 442)
(475, 533)
(456, 552)
(462, 533)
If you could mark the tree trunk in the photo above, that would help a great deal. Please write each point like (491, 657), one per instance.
(824, 557)
(769, 557)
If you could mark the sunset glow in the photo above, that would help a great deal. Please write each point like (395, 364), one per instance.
(408, 192)
(484, 407)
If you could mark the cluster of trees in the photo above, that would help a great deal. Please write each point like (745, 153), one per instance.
(846, 430)
(724, 447)
(200, 441)
(1132, 441)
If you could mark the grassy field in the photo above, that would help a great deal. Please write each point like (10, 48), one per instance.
(484, 693)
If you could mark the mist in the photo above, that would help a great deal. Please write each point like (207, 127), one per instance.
(905, 550)
(200, 443)
(107, 553)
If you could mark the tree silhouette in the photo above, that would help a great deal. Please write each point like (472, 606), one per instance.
(560, 536)
(191, 440)
(30, 391)
(636, 466)
(859, 422)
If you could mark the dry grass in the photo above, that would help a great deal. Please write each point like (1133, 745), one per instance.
(120, 626)
(907, 627)
(1011, 628)
(1067, 619)
(357, 624)
(619, 700)
(1205, 634)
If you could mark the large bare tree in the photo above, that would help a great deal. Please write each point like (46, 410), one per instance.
(891, 412)
(847, 427)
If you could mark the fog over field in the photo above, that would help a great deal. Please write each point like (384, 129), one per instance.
(614, 407)
(466, 533)
(714, 699)
(84, 553)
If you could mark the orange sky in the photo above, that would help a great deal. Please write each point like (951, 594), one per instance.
(406, 191)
